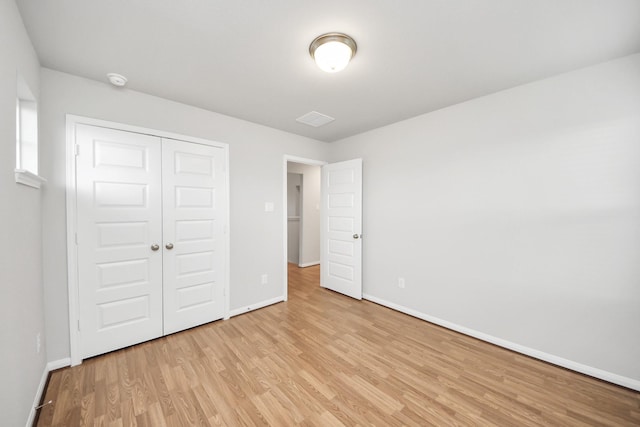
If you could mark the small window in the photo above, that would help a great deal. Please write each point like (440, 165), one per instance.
(26, 136)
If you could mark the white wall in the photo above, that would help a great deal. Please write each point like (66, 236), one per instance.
(516, 215)
(256, 154)
(310, 217)
(294, 210)
(21, 293)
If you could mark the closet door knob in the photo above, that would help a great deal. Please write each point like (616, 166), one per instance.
(169, 246)
(155, 247)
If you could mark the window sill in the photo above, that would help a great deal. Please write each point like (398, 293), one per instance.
(30, 179)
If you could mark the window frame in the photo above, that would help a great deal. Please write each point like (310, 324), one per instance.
(26, 171)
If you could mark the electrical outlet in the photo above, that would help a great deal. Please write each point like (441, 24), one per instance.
(264, 279)
(401, 282)
(38, 342)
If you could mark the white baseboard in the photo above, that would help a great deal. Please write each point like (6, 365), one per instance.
(555, 360)
(308, 264)
(51, 366)
(261, 304)
(36, 400)
(57, 364)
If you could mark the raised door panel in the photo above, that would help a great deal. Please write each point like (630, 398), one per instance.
(119, 219)
(194, 194)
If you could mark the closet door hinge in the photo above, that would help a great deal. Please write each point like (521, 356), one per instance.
(78, 324)
(76, 150)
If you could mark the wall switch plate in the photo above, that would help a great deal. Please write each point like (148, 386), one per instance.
(264, 279)
(401, 282)
(268, 206)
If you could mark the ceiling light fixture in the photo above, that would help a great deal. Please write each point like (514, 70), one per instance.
(333, 51)
(117, 79)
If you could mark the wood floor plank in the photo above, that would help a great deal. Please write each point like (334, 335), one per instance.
(323, 359)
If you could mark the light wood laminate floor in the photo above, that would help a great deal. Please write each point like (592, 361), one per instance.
(324, 359)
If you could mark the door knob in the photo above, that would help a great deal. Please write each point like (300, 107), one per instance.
(356, 236)
(169, 246)
(155, 247)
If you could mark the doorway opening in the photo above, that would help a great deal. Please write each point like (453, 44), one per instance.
(302, 182)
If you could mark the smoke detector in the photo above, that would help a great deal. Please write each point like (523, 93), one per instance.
(117, 79)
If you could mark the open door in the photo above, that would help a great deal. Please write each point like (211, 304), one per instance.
(341, 228)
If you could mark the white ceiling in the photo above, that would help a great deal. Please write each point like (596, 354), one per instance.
(249, 58)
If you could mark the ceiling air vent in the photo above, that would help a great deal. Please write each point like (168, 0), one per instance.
(315, 119)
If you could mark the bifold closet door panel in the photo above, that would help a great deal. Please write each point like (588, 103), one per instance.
(194, 199)
(119, 221)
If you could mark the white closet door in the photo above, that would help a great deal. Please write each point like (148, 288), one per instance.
(119, 220)
(194, 194)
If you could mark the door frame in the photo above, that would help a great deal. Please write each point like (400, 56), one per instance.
(72, 255)
(305, 161)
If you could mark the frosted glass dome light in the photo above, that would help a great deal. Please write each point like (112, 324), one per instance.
(332, 51)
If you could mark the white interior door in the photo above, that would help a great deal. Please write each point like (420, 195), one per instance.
(341, 232)
(194, 194)
(118, 196)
